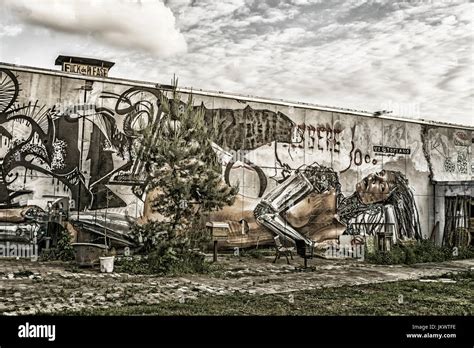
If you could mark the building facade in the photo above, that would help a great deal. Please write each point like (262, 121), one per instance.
(304, 170)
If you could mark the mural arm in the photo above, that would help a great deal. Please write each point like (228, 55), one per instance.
(277, 201)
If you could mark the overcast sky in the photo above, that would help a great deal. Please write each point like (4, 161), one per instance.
(412, 57)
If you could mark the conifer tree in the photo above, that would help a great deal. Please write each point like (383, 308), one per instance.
(182, 167)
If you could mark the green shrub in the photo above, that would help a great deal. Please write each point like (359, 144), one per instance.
(167, 262)
(466, 252)
(411, 256)
(132, 265)
(63, 250)
(176, 259)
(147, 235)
(164, 255)
(420, 252)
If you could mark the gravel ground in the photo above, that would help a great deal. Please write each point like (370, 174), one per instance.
(31, 287)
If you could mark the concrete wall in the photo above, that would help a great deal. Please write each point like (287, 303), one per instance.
(62, 137)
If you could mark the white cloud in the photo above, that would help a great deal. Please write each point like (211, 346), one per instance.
(10, 30)
(415, 56)
(146, 25)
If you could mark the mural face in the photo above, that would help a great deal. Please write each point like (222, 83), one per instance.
(306, 175)
(376, 187)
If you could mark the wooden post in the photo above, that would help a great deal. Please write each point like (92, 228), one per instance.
(305, 262)
(215, 251)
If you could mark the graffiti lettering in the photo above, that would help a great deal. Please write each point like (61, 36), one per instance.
(85, 69)
(358, 157)
(320, 129)
(327, 138)
(391, 150)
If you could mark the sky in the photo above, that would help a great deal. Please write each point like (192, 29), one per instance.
(414, 58)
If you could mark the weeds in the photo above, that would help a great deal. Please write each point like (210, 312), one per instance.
(63, 250)
(165, 262)
(423, 251)
(257, 253)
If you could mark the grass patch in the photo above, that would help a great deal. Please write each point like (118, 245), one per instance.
(257, 253)
(419, 298)
(164, 263)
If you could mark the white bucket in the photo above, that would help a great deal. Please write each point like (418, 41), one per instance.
(107, 264)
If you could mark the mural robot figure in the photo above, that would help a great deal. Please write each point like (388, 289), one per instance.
(309, 207)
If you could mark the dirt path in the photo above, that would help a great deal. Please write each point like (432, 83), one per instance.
(32, 287)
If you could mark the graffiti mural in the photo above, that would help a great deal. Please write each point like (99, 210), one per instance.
(306, 176)
(43, 146)
(309, 207)
(451, 150)
(30, 144)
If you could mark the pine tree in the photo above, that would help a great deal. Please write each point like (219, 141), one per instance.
(183, 167)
